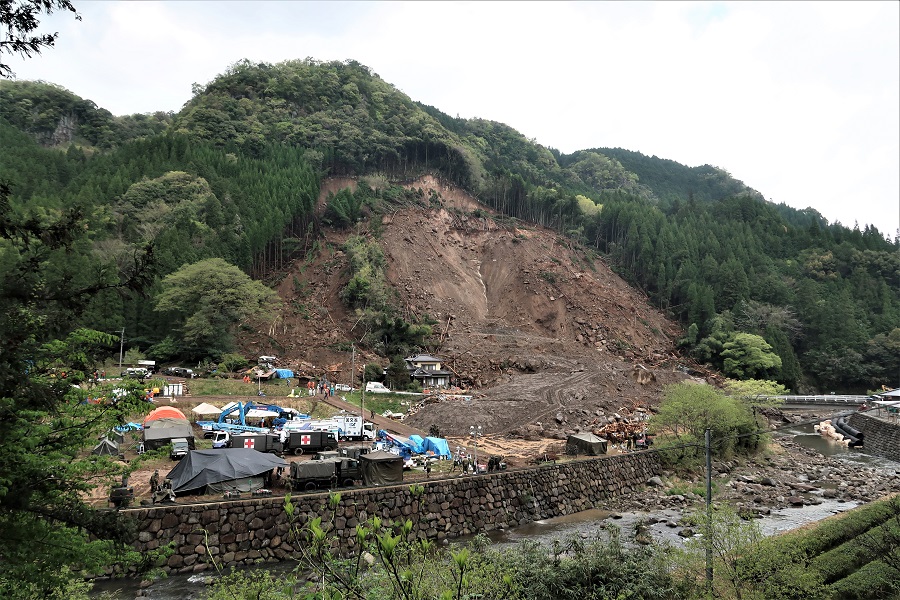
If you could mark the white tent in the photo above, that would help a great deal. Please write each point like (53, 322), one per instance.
(890, 394)
(206, 409)
(260, 414)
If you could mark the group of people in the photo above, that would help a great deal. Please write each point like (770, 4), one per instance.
(161, 492)
(322, 387)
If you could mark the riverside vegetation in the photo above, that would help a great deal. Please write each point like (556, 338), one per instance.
(105, 221)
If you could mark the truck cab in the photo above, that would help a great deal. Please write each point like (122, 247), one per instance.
(221, 439)
(180, 449)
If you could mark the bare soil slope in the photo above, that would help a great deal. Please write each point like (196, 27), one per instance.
(547, 339)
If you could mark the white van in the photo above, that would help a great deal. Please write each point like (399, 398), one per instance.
(375, 387)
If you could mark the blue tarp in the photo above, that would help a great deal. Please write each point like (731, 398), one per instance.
(417, 443)
(284, 373)
(437, 445)
(129, 427)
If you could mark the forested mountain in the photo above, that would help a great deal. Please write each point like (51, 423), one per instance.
(762, 290)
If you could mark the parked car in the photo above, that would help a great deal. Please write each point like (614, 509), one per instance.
(342, 387)
(376, 387)
(136, 373)
(179, 372)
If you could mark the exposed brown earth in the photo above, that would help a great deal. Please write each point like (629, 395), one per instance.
(546, 338)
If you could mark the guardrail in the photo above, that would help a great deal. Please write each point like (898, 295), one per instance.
(826, 399)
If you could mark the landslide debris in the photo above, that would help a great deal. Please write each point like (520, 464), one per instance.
(545, 337)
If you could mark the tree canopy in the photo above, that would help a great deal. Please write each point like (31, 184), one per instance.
(208, 299)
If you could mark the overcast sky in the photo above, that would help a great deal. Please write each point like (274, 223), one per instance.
(800, 101)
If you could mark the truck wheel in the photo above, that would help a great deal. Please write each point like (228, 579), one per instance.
(298, 451)
(310, 486)
(348, 483)
(331, 448)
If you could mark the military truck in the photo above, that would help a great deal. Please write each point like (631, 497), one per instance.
(261, 442)
(327, 473)
(180, 448)
(299, 442)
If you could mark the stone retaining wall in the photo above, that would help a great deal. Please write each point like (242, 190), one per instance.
(881, 438)
(242, 532)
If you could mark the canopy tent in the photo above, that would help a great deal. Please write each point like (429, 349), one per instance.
(231, 466)
(381, 468)
(586, 443)
(257, 413)
(106, 447)
(206, 409)
(164, 412)
(438, 446)
(890, 394)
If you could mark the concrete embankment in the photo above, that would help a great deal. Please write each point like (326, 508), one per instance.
(257, 530)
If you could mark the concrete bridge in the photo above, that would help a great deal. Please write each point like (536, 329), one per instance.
(824, 400)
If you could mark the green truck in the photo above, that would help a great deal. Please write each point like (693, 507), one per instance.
(327, 473)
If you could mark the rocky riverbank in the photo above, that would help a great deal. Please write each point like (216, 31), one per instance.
(787, 475)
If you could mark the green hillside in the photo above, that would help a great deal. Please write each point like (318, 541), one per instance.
(762, 290)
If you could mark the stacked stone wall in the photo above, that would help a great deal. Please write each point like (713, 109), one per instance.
(242, 532)
(881, 437)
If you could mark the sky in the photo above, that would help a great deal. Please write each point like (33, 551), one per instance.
(799, 100)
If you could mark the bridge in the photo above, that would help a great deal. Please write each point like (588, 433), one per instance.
(824, 400)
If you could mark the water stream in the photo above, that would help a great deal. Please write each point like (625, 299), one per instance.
(586, 525)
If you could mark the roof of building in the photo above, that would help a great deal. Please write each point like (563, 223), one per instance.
(423, 358)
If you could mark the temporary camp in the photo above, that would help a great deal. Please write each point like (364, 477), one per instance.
(586, 443)
(106, 447)
(214, 471)
(165, 424)
(381, 468)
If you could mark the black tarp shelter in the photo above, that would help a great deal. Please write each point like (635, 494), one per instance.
(236, 469)
(585, 443)
(381, 468)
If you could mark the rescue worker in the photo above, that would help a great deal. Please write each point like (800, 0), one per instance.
(154, 483)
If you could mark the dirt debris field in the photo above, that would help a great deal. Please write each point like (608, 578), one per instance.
(546, 338)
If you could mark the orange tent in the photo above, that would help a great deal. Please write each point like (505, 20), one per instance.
(165, 412)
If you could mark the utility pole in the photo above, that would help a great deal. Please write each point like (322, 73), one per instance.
(709, 540)
(121, 346)
(362, 401)
(353, 377)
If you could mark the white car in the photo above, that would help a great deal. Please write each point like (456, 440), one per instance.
(342, 387)
(375, 387)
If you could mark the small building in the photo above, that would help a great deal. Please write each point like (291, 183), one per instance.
(426, 369)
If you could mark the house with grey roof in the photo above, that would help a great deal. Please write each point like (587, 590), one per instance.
(428, 371)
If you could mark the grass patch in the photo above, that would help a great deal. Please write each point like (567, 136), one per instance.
(379, 402)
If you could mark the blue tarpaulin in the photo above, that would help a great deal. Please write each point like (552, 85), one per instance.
(417, 443)
(437, 445)
(284, 373)
(129, 427)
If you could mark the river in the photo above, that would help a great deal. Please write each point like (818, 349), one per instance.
(585, 525)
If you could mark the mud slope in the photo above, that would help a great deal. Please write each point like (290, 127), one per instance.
(547, 338)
